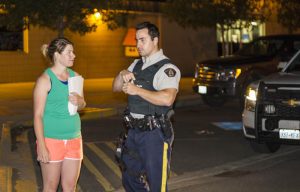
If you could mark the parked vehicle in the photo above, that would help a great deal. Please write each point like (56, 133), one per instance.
(271, 114)
(216, 80)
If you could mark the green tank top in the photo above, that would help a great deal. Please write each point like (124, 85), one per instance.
(57, 121)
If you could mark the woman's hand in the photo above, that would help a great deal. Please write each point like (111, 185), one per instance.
(43, 154)
(77, 100)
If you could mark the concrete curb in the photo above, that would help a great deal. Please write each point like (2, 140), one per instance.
(95, 113)
(5, 178)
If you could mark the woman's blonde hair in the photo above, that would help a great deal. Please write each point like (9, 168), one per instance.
(56, 45)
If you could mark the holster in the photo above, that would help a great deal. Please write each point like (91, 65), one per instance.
(166, 126)
(127, 120)
(120, 150)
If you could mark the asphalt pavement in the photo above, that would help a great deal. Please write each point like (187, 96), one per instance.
(16, 114)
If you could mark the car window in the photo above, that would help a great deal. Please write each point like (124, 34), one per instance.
(289, 48)
(261, 47)
(295, 65)
(297, 45)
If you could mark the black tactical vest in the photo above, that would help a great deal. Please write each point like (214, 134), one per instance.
(144, 78)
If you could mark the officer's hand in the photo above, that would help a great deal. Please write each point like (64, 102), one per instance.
(127, 76)
(130, 88)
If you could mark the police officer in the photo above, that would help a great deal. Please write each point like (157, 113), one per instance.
(151, 83)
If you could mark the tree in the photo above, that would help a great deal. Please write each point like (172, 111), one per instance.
(227, 14)
(224, 16)
(60, 15)
(288, 14)
(189, 13)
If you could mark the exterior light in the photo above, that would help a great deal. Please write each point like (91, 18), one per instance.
(2, 11)
(94, 18)
(237, 73)
(250, 101)
(254, 23)
(97, 15)
(251, 94)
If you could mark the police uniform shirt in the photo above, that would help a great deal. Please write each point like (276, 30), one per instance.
(168, 76)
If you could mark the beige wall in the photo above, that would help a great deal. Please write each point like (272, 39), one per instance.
(101, 53)
(274, 28)
(186, 47)
(17, 66)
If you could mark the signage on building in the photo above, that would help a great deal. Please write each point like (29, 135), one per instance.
(129, 44)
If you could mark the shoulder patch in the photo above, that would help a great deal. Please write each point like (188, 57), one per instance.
(170, 72)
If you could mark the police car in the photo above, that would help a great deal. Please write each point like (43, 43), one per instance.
(271, 114)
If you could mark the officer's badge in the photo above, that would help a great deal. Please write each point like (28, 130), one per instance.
(170, 72)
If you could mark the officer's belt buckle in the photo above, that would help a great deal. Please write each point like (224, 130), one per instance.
(139, 123)
(145, 124)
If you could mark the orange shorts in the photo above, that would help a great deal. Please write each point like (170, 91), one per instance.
(64, 149)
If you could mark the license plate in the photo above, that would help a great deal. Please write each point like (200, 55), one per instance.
(202, 89)
(289, 134)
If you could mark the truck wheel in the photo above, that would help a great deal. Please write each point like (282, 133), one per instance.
(265, 147)
(273, 147)
(214, 100)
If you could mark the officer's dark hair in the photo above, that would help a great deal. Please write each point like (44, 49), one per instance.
(152, 29)
(56, 45)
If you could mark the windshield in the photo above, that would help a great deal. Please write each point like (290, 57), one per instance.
(261, 47)
(295, 64)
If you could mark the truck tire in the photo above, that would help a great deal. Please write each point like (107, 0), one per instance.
(214, 100)
(264, 147)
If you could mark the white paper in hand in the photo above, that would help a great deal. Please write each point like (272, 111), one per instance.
(75, 85)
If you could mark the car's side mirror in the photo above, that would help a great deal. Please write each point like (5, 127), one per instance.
(281, 64)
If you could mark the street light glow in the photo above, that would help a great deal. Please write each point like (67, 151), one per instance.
(97, 15)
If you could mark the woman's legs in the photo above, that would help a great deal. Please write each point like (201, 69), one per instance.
(51, 176)
(69, 174)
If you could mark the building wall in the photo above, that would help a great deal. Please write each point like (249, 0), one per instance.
(186, 47)
(17, 66)
(274, 28)
(101, 53)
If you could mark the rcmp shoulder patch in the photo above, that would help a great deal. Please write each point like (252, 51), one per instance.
(170, 72)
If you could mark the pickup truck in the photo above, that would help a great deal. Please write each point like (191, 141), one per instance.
(271, 114)
(223, 78)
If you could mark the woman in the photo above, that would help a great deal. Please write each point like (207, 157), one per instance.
(59, 142)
